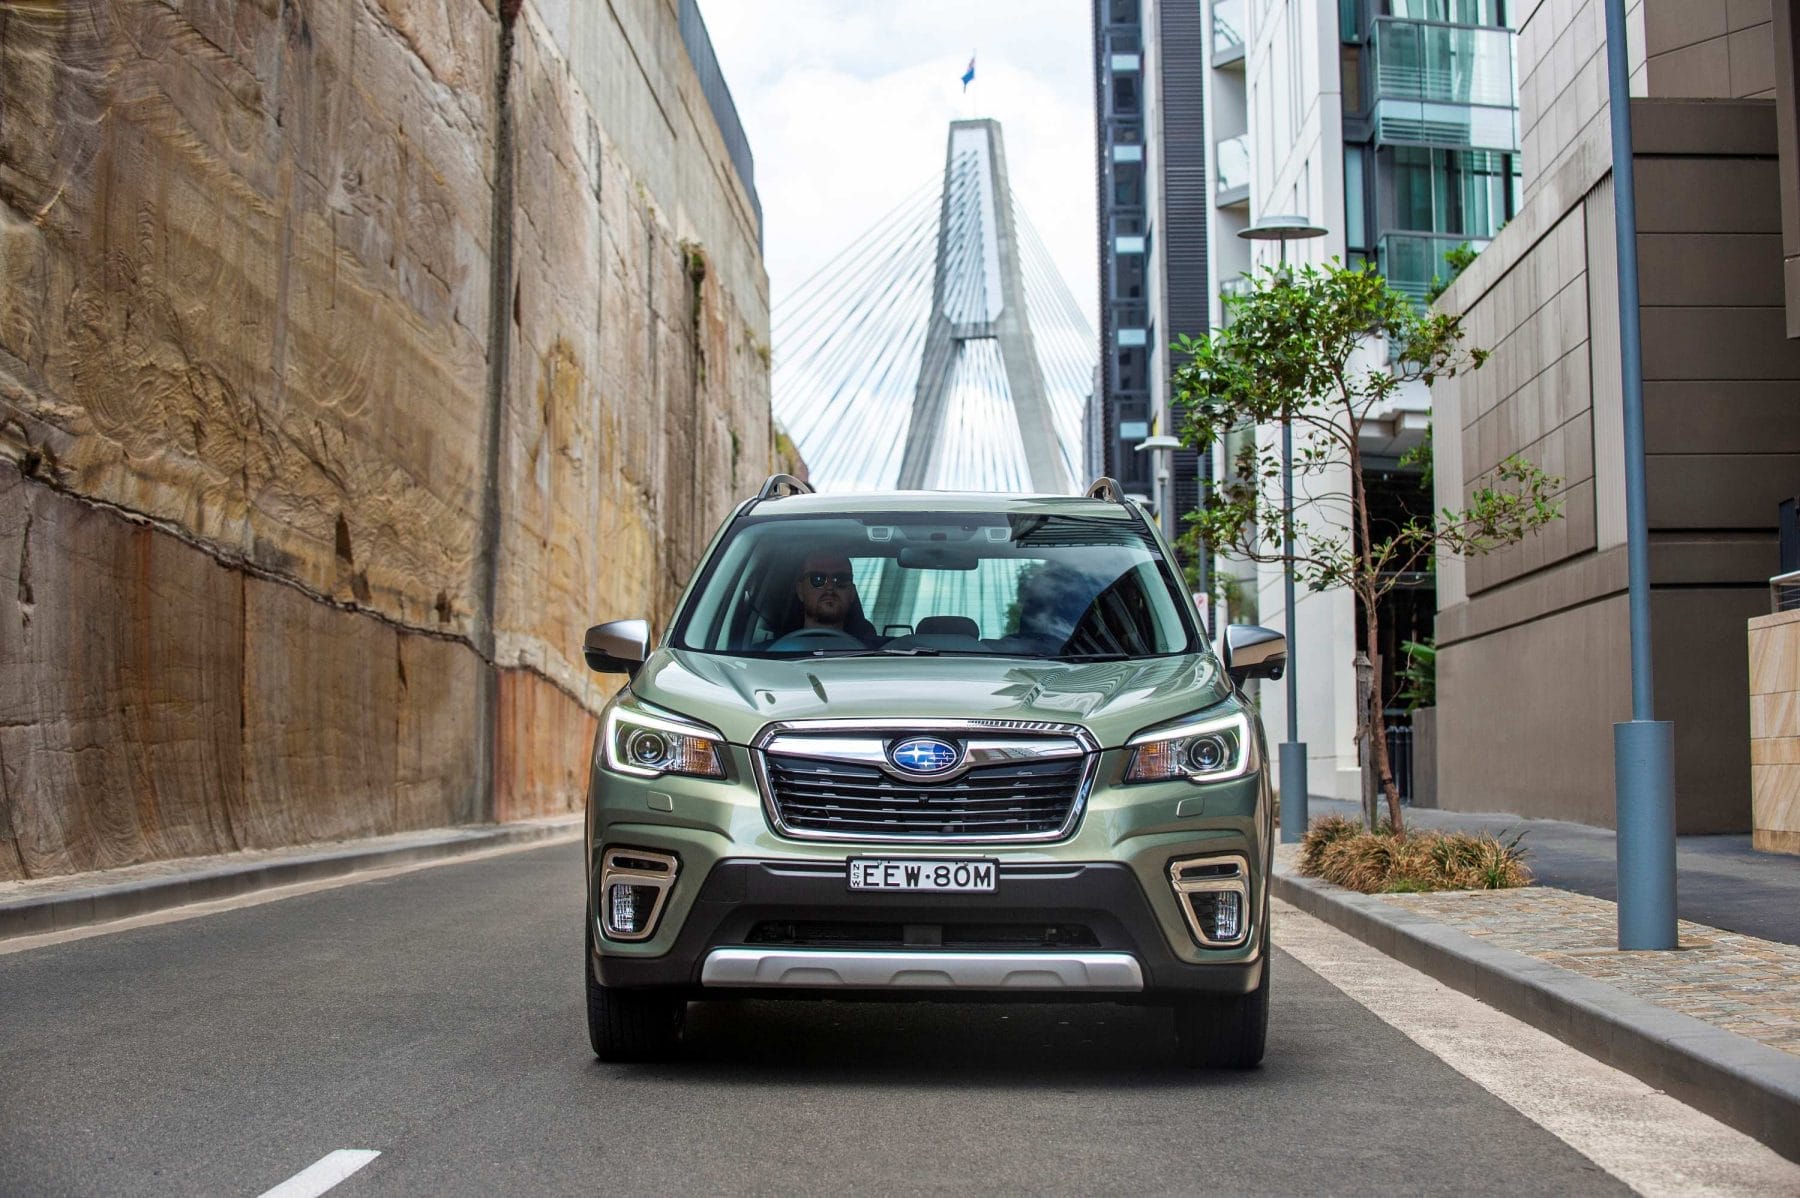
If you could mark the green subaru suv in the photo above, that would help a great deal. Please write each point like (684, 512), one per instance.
(931, 745)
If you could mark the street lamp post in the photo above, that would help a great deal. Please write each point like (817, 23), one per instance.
(1163, 447)
(1284, 229)
(1644, 747)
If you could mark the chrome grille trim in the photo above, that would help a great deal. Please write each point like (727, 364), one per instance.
(977, 793)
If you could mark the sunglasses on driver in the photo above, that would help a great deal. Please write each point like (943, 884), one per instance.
(840, 579)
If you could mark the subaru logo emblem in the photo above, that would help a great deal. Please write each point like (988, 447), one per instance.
(925, 755)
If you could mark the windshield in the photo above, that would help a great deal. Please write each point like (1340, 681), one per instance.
(1029, 585)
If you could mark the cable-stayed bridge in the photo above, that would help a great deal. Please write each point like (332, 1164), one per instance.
(940, 350)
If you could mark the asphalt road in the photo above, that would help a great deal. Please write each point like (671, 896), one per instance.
(437, 1017)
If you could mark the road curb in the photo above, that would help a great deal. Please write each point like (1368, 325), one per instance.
(221, 878)
(1744, 1084)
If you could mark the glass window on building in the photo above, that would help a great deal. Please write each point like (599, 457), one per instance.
(1350, 57)
(1356, 217)
(1122, 12)
(1128, 274)
(1128, 184)
(1466, 192)
(1455, 12)
(1124, 93)
(1133, 370)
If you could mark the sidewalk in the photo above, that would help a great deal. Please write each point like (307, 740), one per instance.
(1716, 1023)
(57, 904)
(1720, 880)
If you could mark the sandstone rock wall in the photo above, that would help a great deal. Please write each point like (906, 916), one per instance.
(250, 255)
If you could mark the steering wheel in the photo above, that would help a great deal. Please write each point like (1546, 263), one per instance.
(815, 638)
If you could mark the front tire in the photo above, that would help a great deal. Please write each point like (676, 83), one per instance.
(1225, 1031)
(630, 1025)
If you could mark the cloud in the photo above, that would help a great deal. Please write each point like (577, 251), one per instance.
(846, 105)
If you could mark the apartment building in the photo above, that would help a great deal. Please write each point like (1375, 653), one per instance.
(1392, 124)
(1149, 78)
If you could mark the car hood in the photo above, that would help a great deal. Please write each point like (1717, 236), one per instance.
(741, 696)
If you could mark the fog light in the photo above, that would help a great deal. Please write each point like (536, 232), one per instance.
(1214, 892)
(624, 914)
(634, 885)
(1227, 915)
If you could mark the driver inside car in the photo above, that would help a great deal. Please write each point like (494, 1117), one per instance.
(827, 592)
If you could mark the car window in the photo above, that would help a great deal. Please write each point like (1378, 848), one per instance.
(1031, 585)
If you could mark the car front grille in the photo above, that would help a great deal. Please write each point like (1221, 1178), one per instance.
(841, 799)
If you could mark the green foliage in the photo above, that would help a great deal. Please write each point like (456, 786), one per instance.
(1418, 675)
(1022, 586)
(1328, 350)
(1419, 458)
(1239, 600)
(1306, 347)
(1458, 259)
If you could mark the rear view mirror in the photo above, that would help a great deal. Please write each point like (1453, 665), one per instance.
(617, 647)
(938, 557)
(1254, 652)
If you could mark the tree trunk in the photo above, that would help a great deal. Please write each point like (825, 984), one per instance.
(1376, 719)
(1365, 750)
(1368, 588)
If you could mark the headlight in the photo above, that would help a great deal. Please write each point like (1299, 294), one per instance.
(647, 744)
(1199, 750)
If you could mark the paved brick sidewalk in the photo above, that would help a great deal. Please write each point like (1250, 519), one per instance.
(1721, 881)
(1732, 981)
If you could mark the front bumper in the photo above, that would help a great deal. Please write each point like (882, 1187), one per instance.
(846, 941)
(1109, 877)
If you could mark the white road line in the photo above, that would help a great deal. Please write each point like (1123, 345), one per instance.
(1646, 1139)
(323, 1173)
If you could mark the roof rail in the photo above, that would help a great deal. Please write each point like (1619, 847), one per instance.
(1107, 489)
(784, 484)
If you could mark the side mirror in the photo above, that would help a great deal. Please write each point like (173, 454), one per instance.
(1254, 652)
(617, 647)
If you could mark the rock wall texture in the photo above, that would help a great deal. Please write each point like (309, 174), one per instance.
(351, 363)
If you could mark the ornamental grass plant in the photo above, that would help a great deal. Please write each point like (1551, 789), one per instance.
(1385, 862)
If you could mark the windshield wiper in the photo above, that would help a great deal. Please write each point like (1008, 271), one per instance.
(1091, 657)
(921, 651)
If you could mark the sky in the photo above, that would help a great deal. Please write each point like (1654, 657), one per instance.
(847, 103)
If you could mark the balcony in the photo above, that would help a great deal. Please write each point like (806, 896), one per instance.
(1231, 171)
(1228, 25)
(1416, 263)
(1443, 85)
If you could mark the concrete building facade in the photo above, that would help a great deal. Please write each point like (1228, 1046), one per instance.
(1532, 660)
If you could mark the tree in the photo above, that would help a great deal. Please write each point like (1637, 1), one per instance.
(1328, 349)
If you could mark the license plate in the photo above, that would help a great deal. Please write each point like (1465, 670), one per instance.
(923, 873)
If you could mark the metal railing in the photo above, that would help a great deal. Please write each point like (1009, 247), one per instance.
(1414, 263)
(1456, 64)
(1784, 592)
(1400, 756)
(718, 98)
